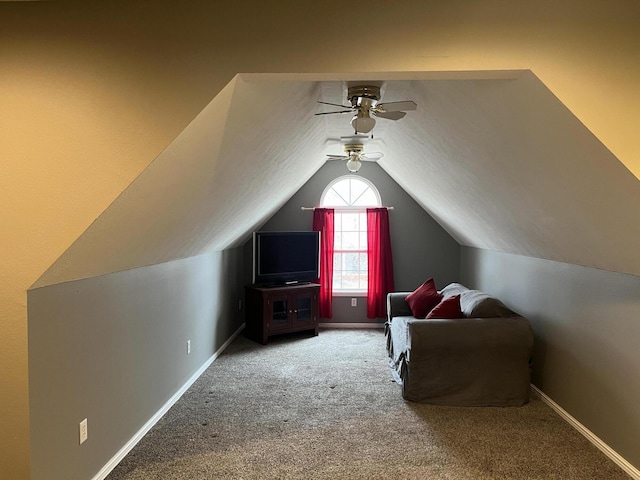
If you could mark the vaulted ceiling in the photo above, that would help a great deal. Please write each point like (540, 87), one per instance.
(493, 156)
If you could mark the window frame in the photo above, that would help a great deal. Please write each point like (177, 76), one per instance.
(344, 209)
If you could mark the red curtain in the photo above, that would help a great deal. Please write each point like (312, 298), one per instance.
(323, 223)
(380, 262)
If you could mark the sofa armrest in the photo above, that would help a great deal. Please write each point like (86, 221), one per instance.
(397, 305)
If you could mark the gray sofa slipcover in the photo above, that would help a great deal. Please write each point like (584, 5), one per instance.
(482, 359)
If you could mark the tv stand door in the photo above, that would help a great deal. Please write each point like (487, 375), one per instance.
(305, 314)
(278, 312)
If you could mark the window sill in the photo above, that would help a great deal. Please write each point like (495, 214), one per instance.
(353, 293)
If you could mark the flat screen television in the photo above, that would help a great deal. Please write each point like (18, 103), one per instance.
(285, 258)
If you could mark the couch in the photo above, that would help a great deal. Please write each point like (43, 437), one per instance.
(481, 359)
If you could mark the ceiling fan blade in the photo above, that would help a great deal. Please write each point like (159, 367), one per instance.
(330, 113)
(372, 156)
(397, 106)
(390, 115)
(337, 157)
(334, 104)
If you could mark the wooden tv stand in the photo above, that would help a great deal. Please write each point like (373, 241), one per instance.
(274, 310)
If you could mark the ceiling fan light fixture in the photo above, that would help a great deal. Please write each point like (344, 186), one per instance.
(362, 122)
(353, 164)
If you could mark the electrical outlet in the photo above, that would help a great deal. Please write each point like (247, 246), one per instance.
(83, 431)
(188, 347)
(354, 302)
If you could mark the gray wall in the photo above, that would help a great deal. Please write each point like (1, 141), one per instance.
(113, 349)
(587, 326)
(421, 247)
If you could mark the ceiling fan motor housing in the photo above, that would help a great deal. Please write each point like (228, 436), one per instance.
(366, 96)
(353, 148)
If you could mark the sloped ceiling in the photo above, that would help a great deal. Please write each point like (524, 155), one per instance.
(503, 165)
(494, 157)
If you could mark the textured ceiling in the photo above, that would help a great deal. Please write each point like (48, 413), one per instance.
(494, 157)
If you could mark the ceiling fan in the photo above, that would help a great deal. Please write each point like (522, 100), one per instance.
(364, 102)
(355, 156)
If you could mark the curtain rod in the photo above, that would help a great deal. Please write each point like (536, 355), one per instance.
(345, 208)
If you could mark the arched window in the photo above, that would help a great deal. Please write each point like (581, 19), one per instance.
(349, 196)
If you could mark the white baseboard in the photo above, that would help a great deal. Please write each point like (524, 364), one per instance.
(603, 447)
(117, 458)
(351, 325)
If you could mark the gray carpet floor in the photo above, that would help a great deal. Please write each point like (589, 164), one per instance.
(325, 407)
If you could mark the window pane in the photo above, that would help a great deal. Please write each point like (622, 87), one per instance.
(350, 222)
(367, 199)
(363, 241)
(362, 259)
(350, 271)
(337, 261)
(332, 199)
(337, 271)
(352, 262)
(357, 189)
(350, 241)
(350, 282)
(353, 280)
(337, 240)
(341, 190)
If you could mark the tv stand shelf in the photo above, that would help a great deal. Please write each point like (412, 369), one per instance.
(276, 310)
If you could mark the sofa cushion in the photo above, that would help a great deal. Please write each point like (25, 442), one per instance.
(447, 308)
(423, 299)
(477, 304)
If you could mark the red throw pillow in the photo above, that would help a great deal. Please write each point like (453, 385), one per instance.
(449, 308)
(423, 299)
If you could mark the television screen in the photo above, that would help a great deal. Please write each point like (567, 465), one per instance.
(282, 258)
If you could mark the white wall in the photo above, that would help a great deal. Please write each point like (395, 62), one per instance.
(113, 349)
(586, 324)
